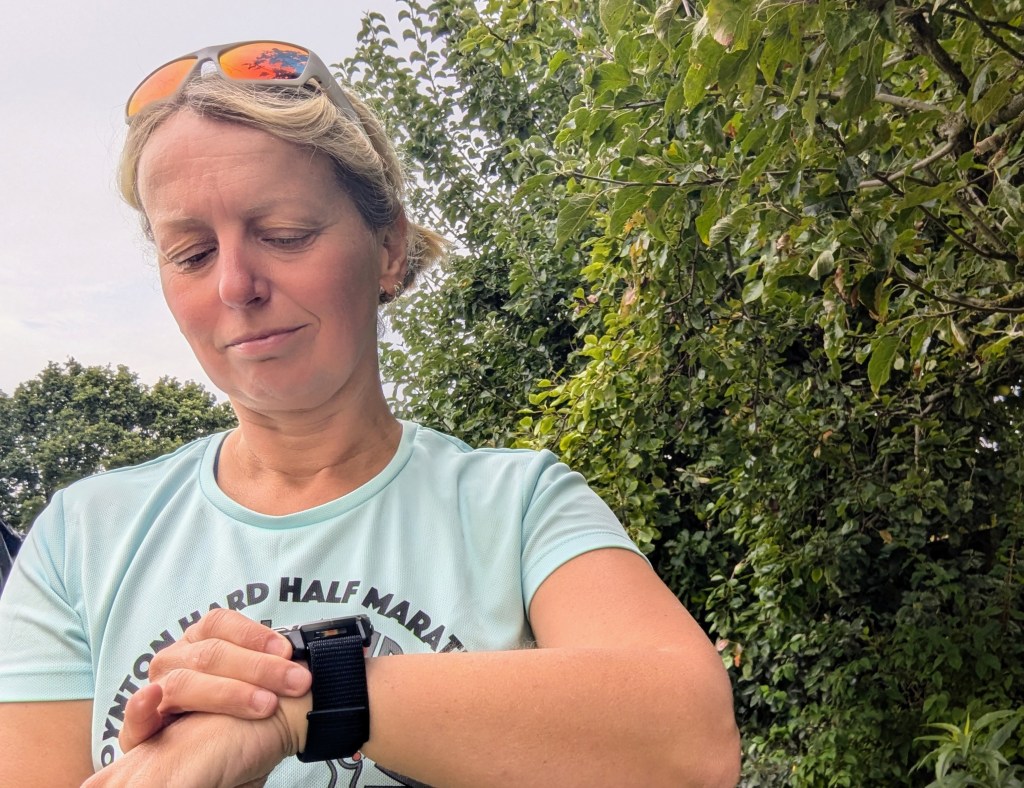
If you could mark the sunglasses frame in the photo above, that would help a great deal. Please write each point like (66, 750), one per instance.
(315, 70)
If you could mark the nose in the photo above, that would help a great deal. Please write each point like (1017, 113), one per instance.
(242, 283)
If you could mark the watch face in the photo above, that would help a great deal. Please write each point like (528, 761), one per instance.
(302, 634)
(339, 627)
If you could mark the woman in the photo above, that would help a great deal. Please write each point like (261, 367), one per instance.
(518, 638)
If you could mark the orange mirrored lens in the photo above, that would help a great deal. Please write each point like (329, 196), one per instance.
(264, 60)
(160, 84)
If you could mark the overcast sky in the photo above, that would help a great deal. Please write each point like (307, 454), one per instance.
(76, 277)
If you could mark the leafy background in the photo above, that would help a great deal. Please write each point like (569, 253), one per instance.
(754, 269)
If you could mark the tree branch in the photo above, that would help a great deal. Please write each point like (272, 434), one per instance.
(1013, 108)
(671, 184)
(991, 22)
(903, 102)
(1014, 111)
(987, 253)
(927, 43)
(973, 218)
(907, 103)
(1012, 304)
(686, 184)
(1012, 132)
(986, 30)
(882, 180)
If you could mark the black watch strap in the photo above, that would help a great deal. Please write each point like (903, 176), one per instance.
(339, 723)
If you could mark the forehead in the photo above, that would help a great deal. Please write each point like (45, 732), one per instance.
(189, 155)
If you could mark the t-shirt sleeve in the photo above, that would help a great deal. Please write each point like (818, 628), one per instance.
(563, 518)
(44, 649)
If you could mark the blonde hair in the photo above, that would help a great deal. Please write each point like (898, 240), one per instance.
(363, 156)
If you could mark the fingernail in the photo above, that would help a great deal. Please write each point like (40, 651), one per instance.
(262, 701)
(296, 678)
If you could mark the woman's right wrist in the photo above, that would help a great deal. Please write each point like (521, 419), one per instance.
(294, 712)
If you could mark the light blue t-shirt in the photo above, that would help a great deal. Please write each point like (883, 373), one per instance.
(443, 550)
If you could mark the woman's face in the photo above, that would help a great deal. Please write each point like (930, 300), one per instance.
(265, 263)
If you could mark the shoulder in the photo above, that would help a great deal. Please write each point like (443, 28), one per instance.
(524, 482)
(131, 486)
(437, 454)
(109, 513)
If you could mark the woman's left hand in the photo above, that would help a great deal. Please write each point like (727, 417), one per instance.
(226, 664)
(206, 751)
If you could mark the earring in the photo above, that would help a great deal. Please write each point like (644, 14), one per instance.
(384, 297)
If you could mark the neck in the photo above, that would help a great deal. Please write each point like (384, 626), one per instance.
(280, 463)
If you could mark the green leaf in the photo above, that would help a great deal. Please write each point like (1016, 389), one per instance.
(824, 264)
(873, 135)
(1000, 737)
(534, 183)
(665, 19)
(995, 98)
(674, 100)
(955, 335)
(695, 84)
(557, 59)
(706, 219)
(920, 338)
(754, 169)
(609, 77)
(862, 77)
(573, 216)
(728, 225)
(919, 195)
(613, 13)
(860, 87)
(753, 290)
(737, 69)
(992, 351)
(627, 202)
(771, 53)
(705, 56)
(728, 21)
(883, 351)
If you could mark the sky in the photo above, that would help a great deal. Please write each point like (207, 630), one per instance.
(77, 278)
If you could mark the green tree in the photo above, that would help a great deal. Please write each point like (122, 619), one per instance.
(460, 116)
(71, 421)
(755, 270)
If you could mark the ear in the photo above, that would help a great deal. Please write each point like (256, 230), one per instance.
(394, 254)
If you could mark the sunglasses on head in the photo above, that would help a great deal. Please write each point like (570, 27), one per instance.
(272, 62)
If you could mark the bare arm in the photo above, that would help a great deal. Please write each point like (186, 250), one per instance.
(46, 744)
(623, 683)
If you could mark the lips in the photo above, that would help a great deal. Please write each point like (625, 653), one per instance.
(265, 336)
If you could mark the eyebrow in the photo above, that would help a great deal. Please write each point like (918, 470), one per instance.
(259, 210)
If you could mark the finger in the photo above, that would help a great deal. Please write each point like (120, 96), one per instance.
(142, 717)
(186, 691)
(230, 661)
(232, 626)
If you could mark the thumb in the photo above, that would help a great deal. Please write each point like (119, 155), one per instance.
(142, 717)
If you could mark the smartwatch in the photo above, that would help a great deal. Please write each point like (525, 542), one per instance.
(339, 723)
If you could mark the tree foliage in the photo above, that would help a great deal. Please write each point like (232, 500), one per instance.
(754, 268)
(71, 421)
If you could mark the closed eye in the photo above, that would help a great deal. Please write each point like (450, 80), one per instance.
(193, 261)
(290, 241)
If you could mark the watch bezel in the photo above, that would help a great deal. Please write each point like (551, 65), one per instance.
(301, 635)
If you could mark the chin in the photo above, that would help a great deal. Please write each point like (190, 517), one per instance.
(284, 395)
